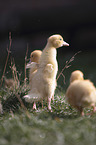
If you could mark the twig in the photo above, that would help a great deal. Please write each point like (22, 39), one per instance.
(25, 64)
(63, 77)
(14, 72)
(67, 65)
(22, 105)
(6, 58)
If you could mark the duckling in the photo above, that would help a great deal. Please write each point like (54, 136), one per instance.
(33, 65)
(44, 80)
(81, 93)
(34, 58)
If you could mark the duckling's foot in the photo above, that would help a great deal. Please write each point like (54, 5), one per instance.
(82, 113)
(49, 107)
(34, 106)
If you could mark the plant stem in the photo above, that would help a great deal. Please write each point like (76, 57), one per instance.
(6, 58)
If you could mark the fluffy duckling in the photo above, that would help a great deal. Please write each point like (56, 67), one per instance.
(33, 65)
(81, 93)
(44, 80)
(34, 58)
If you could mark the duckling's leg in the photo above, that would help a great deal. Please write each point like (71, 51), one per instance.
(1, 109)
(49, 103)
(81, 111)
(34, 106)
(53, 97)
(42, 103)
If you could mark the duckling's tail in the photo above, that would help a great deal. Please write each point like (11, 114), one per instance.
(33, 96)
(87, 100)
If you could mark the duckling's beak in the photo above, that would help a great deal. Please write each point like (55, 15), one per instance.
(29, 65)
(65, 43)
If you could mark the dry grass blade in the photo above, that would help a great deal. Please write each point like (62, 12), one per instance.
(63, 77)
(16, 80)
(9, 50)
(25, 64)
(15, 75)
(22, 105)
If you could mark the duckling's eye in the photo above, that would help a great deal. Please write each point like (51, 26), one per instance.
(32, 55)
(60, 39)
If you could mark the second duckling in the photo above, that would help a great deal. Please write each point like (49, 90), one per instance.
(81, 93)
(33, 65)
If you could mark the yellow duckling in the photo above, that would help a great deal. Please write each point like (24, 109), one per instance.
(33, 65)
(81, 93)
(34, 58)
(44, 80)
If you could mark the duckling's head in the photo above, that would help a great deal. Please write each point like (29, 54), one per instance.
(35, 56)
(57, 41)
(76, 75)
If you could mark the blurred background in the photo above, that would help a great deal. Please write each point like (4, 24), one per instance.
(31, 22)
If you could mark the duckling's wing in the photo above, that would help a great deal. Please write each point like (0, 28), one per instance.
(31, 65)
(49, 68)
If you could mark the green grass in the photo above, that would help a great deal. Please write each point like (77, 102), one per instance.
(62, 126)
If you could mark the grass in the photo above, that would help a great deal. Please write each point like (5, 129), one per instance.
(20, 125)
(61, 126)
